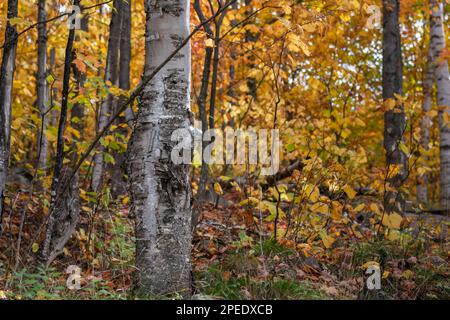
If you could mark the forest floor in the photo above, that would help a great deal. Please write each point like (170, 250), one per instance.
(234, 256)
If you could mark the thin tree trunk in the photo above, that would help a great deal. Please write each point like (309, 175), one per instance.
(53, 92)
(215, 63)
(118, 182)
(202, 99)
(42, 87)
(6, 86)
(422, 186)
(441, 73)
(67, 211)
(249, 38)
(394, 120)
(159, 188)
(59, 159)
(111, 75)
(125, 53)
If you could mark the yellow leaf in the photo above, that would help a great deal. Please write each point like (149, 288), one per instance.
(243, 88)
(360, 207)
(375, 209)
(407, 274)
(209, 43)
(349, 191)
(287, 9)
(86, 209)
(327, 240)
(304, 48)
(336, 212)
(66, 252)
(390, 104)
(312, 192)
(309, 27)
(319, 208)
(392, 221)
(404, 148)
(393, 235)
(218, 189)
(250, 201)
(369, 264)
(35, 247)
(295, 40)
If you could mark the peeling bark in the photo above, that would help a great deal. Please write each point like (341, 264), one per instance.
(160, 190)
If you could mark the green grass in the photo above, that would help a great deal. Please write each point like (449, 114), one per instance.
(50, 284)
(214, 284)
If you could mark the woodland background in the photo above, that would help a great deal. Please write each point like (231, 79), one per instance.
(312, 69)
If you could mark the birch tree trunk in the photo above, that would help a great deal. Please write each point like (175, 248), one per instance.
(428, 81)
(160, 189)
(441, 73)
(394, 120)
(6, 86)
(42, 88)
(111, 75)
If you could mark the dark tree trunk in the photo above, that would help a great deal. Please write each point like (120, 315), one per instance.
(202, 99)
(111, 75)
(42, 86)
(249, 38)
(394, 120)
(60, 204)
(118, 183)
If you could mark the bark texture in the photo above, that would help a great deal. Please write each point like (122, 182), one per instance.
(160, 189)
(394, 120)
(118, 182)
(42, 87)
(63, 209)
(427, 87)
(442, 75)
(67, 210)
(6, 85)
(111, 76)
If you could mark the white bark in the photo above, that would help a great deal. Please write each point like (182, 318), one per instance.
(428, 81)
(6, 86)
(441, 73)
(160, 189)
